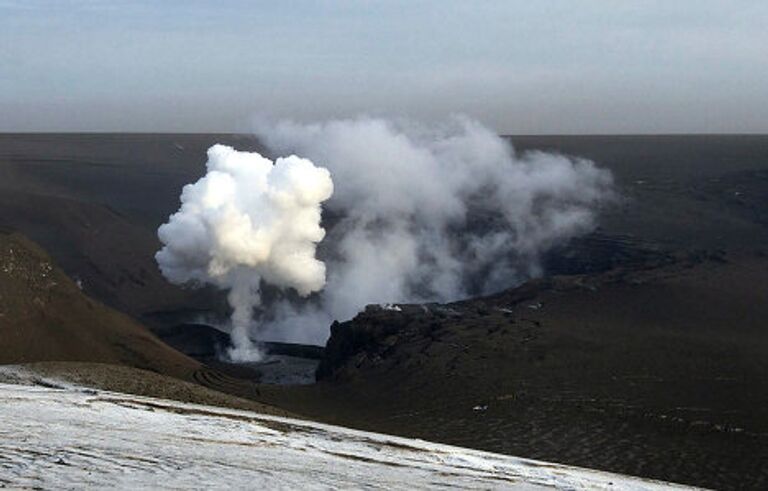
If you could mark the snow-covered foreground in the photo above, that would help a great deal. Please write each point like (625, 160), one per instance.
(73, 437)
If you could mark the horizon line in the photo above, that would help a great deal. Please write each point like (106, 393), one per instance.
(503, 135)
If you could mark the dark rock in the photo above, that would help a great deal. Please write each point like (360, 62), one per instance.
(296, 350)
(196, 340)
(206, 342)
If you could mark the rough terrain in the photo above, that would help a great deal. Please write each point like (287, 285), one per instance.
(71, 437)
(641, 351)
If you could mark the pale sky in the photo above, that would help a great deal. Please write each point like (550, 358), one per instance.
(522, 67)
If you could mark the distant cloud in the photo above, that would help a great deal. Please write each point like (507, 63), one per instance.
(589, 66)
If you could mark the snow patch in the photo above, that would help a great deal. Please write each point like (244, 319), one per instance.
(72, 437)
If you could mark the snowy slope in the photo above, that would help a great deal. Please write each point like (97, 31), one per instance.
(73, 437)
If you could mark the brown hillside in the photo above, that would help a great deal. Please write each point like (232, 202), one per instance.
(45, 317)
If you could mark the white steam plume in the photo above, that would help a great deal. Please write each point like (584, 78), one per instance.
(424, 214)
(245, 221)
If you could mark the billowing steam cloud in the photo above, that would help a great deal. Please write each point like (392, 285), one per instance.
(423, 214)
(245, 221)
(417, 214)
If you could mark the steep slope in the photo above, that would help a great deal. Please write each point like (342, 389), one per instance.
(45, 317)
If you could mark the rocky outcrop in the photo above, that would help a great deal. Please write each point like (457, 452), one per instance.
(382, 336)
(364, 339)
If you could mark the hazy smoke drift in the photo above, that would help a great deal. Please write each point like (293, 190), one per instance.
(245, 221)
(429, 214)
(417, 214)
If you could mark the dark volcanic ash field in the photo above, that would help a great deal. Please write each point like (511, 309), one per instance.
(642, 350)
